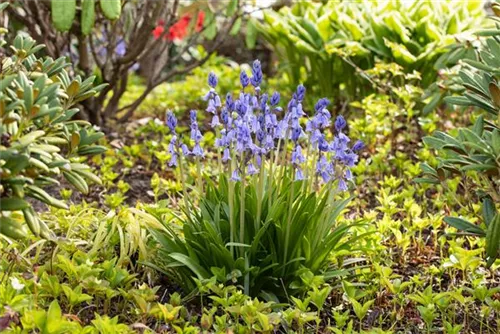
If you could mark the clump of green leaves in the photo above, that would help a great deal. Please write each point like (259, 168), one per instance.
(39, 141)
(334, 40)
(474, 153)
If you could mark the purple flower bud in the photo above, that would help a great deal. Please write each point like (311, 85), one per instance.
(340, 123)
(171, 121)
(224, 115)
(244, 80)
(256, 79)
(212, 80)
(301, 92)
(241, 108)
(192, 116)
(263, 101)
(229, 102)
(275, 99)
(359, 145)
(321, 104)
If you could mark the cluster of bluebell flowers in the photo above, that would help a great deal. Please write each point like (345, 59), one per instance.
(253, 131)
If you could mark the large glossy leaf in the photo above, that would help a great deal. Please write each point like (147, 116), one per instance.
(464, 225)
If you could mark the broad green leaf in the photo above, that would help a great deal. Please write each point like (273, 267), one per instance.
(464, 225)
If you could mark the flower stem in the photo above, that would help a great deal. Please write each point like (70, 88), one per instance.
(288, 222)
(184, 192)
(305, 184)
(231, 205)
(270, 181)
(242, 203)
(260, 194)
(200, 176)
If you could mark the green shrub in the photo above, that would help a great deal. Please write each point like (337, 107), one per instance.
(335, 41)
(39, 141)
(474, 153)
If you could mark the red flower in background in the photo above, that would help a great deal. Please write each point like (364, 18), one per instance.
(179, 29)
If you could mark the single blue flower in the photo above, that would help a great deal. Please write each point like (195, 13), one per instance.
(321, 104)
(211, 106)
(325, 176)
(197, 150)
(171, 121)
(217, 101)
(299, 176)
(173, 161)
(275, 99)
(235, 176)
(185, 150)
(349, 159)
(256, 79)
(172, 145)
(323, 145)
(212, 80)
(241, 108)
(224, 115)
(297, 156)
(296, 132)
(340, 123)
(300, 93)
(192, 116)
(260, 135)
(263, 102)
(321, 164)
(251, 170)
(229, 102)
(358, 146)
(244, 80)
(226, 155)
(215, 121)
(269, 143)
(342, 185)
